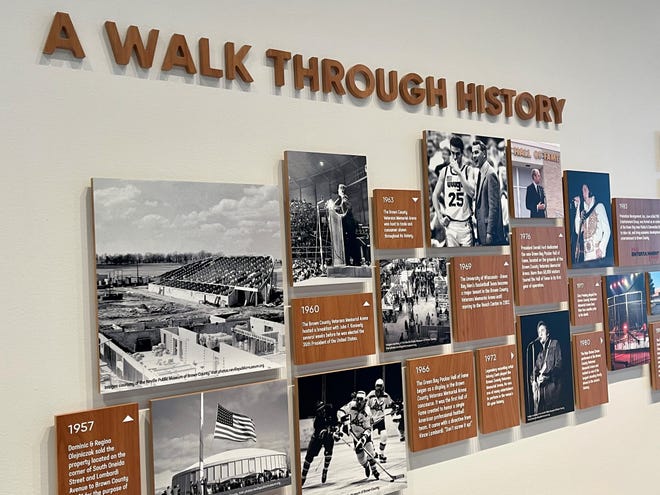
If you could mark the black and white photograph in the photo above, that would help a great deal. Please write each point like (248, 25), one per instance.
(327, 210)
(189, 281)
(627, 324)
(234, 440)
(545, 351)
(352, 431)
(536, 180)
(414, 302)
(588, 219)
(466, 185)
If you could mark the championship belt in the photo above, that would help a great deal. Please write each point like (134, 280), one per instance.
(590, 241)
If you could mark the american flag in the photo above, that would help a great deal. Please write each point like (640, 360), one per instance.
(233, 426)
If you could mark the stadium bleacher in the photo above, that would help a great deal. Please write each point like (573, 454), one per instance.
(221, 274)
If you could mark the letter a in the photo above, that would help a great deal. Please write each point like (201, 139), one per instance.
(63, 35)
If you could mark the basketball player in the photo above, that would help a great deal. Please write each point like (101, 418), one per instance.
(452, 197)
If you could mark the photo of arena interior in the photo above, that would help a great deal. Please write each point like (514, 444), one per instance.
(328, 213)
(414, 302)
(345, 448)
(627, 321)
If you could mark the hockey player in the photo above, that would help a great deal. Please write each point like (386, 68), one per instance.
(325, 425)
(355, 419)
(378, 400)
(398, 418)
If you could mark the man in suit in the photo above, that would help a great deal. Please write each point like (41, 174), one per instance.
(344, 209)
(535, 198)
(488, 207)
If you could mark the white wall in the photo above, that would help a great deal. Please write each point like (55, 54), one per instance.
(66, 121)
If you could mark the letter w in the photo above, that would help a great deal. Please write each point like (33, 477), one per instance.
(133, 42)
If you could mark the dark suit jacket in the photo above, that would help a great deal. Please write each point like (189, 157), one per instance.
(532, 199)
(488, 208)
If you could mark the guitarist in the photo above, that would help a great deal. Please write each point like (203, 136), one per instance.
(546, 375)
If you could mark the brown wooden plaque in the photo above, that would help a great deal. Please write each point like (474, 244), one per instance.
(654, 338)
(332, 327)
(98, 451)
(499, 397)
(539, 265)
(586, 300)
(398, 219)
(590, 372)
(481, 297)
(441, 400)
(636, 231)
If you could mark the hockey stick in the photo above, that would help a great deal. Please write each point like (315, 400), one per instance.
(392, 476)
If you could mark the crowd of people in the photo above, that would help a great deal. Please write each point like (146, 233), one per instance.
(468, 190)
(304, 269)
(415, 300)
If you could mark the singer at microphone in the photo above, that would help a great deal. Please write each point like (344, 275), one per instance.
(545, 379)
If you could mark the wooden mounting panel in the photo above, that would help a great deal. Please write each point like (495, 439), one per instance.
(332, 327)
(590, 373)
(92, 445)
(539, 265)
(441, 402)
(482, 297)
(497, 387)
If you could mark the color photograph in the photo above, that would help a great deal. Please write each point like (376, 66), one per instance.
(626, 323)
(327, 214)
(234, 440)
(414, 303)
(189, 281)
(654, 292)
(588, 219)
(547, 371)
(466, 188)
(352, 431)
(535, 178)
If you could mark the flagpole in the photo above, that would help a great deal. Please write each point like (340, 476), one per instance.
(201, 437)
